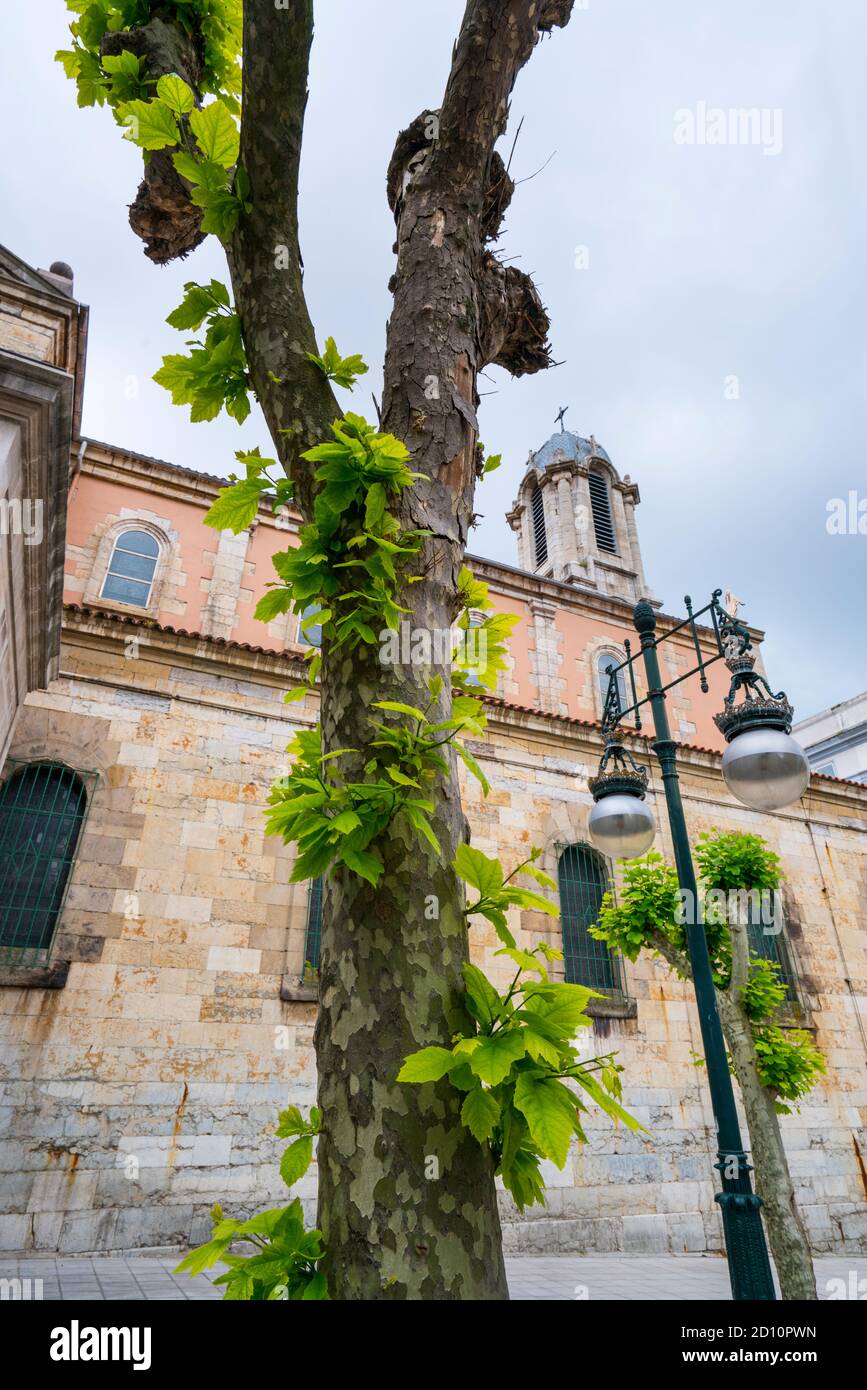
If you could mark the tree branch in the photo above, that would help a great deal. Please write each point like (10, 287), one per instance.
(264, 254)
(456, 308)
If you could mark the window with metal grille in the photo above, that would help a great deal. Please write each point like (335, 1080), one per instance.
(540, 535)
(313, 935)
(770, 944)
(583, 882)
(600, 503)
(42, 809)
(131, 569)
(605, 664)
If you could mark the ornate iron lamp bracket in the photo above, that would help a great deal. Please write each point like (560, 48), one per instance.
(626, 778)
(760, 708)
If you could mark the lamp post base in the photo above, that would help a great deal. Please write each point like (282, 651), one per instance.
(746, 1249)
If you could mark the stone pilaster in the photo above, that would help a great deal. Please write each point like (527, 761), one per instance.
(220, 612)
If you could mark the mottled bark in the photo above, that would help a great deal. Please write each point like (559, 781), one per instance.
(787, 1236)
(406, 1195)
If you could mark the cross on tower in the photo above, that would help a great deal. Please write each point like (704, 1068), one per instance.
(562, 413)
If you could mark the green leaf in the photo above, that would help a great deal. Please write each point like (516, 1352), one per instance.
(296, 1160)
(545, 879)
(236, 507)
(494, 1058)
(563, 1012)
(374, 507)
(430, 1064)
(341, 370)
(467, 758)
(203, 1257)
(198, 302)
(549, 1109)
(177, 96)
(149, 124)
(290, 1121)
(272, 603)
(317, 1288)
(420, 822)
(367, 866)
(525, 961)
(607, 1102)
(410, 710)
(480, 1113)
(483, 1001)
(216, 133)
(124, 70)
(478, 870)
(187, 166)
(222, 210)
(69, 59)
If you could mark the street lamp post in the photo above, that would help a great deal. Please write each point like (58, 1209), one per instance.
(770, 772)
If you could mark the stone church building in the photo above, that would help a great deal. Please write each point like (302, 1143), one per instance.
(157, 968)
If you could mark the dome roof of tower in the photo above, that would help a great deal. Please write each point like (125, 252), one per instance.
(569, 447)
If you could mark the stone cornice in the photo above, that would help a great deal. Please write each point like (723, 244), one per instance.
(91, 627)
(552, 732)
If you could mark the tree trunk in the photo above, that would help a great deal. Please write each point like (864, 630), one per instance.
(407, 1201)
(787, 1236)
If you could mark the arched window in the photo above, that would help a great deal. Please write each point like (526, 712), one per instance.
(313, 934)
(600, 502)
(310, 634)
(131, 569)
(474, 648)
(583, 882)
(605, 663)
(537, 519)
(42, 808)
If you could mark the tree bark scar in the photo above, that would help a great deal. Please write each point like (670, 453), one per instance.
(439, 229)
(460, 470)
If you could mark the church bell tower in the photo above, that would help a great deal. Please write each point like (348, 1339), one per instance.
(575, 518)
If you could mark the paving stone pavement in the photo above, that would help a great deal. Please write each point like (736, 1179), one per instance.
(145, 1277)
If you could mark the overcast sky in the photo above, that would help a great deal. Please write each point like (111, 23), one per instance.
(707, 300)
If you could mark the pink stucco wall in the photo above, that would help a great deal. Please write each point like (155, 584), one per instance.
(95, 501)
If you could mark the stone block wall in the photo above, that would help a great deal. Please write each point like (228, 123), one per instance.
(147, 1088)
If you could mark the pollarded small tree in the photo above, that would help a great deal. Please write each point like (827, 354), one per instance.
(774, 1066)
(214, 94)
